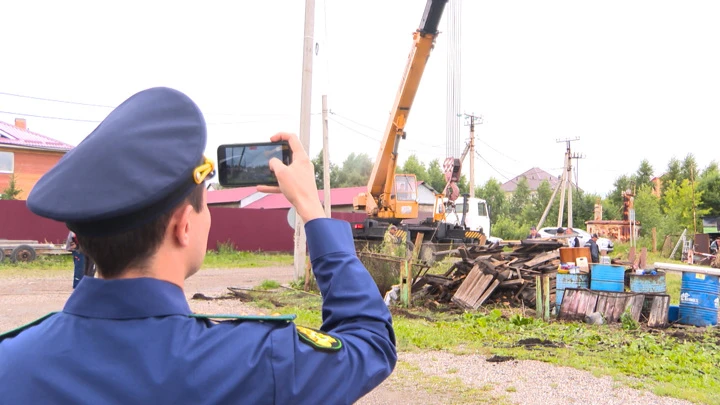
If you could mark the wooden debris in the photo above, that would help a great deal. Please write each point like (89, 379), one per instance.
(488, 274)
(578, 303)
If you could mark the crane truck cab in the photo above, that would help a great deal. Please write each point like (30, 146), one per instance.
(477, 216)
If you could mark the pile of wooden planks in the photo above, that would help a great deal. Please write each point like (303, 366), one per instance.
(650, 308)
(491, 274)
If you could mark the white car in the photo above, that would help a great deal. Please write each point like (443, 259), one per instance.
(603, 243)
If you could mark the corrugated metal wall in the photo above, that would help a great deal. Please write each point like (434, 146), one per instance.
(247, 229)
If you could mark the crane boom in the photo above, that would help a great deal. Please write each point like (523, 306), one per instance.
(382, 199)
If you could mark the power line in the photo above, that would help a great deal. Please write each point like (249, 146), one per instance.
(354, 122)
(54, 100)
(379, 131)
(354, 130)
(502, 154)
(49, 117)
(491, 166)
(98, 121)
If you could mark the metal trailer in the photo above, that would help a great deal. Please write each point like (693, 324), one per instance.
(28, 250)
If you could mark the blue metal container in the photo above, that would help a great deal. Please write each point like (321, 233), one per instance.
(673, 313)
(647, 283)
(564, 281)
(607, 277)
(699, 299)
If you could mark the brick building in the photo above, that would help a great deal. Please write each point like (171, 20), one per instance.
(26, 155)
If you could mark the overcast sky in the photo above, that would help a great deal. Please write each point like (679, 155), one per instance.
(630, 79)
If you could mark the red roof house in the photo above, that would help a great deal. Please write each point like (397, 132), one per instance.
(26, 155)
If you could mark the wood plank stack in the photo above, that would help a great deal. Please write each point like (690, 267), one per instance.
(651, 308)
(489, 274)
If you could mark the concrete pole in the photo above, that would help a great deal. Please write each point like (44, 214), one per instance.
(472, 157)
(569, 189)
(305, 108)
(326, 159)
(563, 186)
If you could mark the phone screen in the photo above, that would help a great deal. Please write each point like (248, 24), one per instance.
(248, 164)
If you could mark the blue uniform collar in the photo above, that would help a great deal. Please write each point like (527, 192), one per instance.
(126, 299)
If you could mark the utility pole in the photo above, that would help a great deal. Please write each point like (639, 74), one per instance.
(569, 186)
(566, 184)
(692, 184)
(305, 108)
(326, 158)
(473, 119)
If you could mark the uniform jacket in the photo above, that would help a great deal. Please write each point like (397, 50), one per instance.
(135, 341)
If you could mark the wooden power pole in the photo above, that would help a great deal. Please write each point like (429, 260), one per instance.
(305, 108)
(326, 158)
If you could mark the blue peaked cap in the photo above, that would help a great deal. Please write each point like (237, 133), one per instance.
(135, 166)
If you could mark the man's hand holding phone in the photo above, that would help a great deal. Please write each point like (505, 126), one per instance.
(296, 180)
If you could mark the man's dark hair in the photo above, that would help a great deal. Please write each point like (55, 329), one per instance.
(114, 254)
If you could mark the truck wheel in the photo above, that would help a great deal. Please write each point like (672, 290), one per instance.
(2, 255)
(23, 253)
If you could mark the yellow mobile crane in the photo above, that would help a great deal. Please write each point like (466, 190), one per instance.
(392, 197)
(389, 195)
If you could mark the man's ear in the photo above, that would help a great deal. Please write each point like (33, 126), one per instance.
(180, 225)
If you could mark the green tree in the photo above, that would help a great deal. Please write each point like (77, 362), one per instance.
(611, 209)
(647, 210)
(678, 207)
(688, 170)
(507, 228)
(355, 171)
(583, 208)
(463, 185)
(495, 197)
(709, 185)
(644, 174)
(519, 199)
(320, 172)
(11, 192)
(673, 172)
(621, 184)
(436, 177)
(537, 204)
(414, 166)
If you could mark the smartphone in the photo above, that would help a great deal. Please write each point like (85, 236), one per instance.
(247, 164)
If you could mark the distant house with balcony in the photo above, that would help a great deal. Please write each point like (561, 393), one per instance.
(26, 155)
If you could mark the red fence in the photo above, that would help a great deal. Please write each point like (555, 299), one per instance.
(246, 229)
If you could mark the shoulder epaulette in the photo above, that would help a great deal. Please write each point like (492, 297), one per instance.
(16, 331)
(241, 318)
(318, 340)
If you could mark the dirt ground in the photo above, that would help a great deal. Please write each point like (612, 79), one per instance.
(420, 378)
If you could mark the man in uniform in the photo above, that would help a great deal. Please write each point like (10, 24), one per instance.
(129, 337)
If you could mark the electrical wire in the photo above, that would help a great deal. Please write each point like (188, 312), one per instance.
(354, 130)
(491, 166)
(377, 130)
(54, 100)
(497, 151)
(49, 117)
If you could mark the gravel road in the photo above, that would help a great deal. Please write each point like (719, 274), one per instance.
(420, 378)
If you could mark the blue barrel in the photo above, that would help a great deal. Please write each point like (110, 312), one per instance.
(673, 313)
(564, 281)
(607, 277)
(648, 283)
(699, 299)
